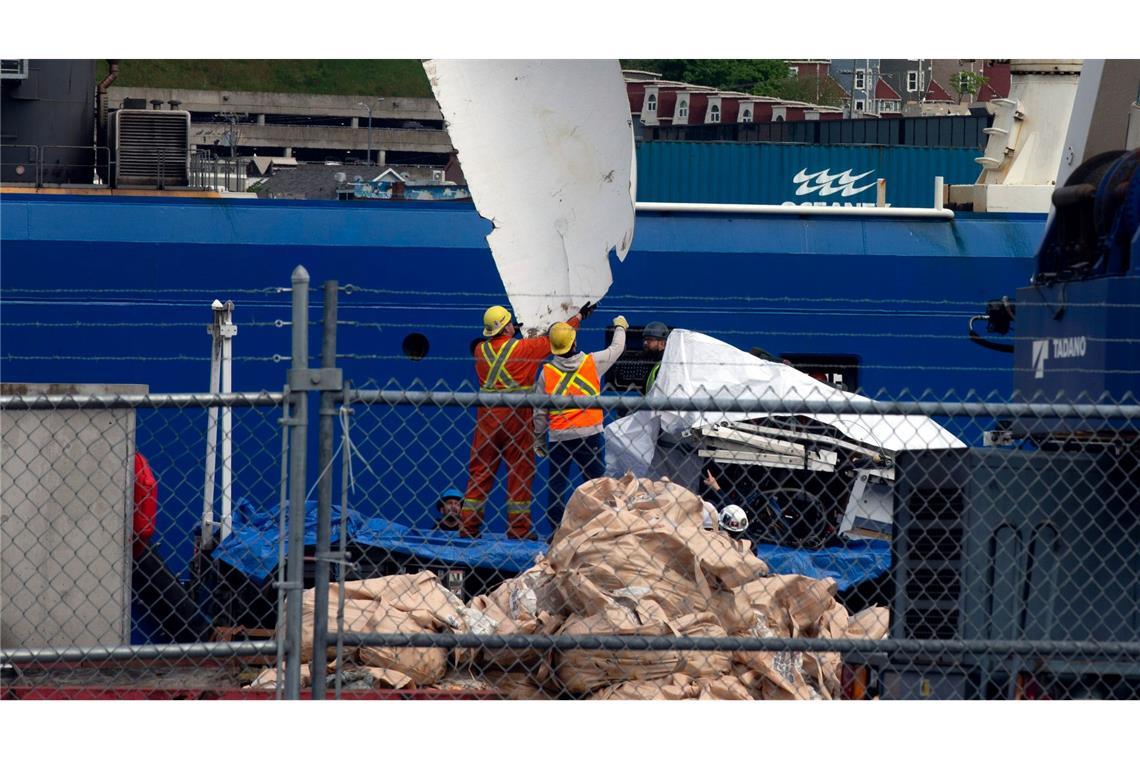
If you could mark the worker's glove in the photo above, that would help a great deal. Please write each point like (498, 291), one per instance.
(621, 322)
(587, 309)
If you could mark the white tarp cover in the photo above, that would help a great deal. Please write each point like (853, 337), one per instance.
(547, 151)
(695, 364)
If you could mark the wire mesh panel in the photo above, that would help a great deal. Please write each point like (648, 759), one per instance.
(708, 523)
(759, 543)
(123, 534)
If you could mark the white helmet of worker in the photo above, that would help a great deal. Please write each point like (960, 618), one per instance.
(733, 519)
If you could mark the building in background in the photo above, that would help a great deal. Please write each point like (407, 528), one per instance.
(909, 77)
(925, 86)
(656, 102)
(888, 101)
(857, 78)
(403, 131)
(991, 78)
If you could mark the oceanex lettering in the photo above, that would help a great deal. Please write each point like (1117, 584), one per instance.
(825, 203)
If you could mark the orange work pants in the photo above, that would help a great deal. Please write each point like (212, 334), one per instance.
(501, 435)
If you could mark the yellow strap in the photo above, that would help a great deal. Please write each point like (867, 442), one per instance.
(564, 383)
(498, 361)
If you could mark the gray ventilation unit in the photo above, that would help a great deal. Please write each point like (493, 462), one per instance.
(14, 68)
(152, 148)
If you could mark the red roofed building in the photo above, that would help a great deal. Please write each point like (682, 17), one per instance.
(655, 102)
(887, 101)
(809, 68)
(997, 81)
(936, 93)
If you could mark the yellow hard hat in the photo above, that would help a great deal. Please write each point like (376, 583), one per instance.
(494, 320)
(561, 338)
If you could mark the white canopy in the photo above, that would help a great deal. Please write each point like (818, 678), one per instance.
(695, 364)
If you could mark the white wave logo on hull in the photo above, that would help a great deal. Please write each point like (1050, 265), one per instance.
(824, 183)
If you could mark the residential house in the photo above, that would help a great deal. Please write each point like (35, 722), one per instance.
(657, 102)
(936, 101)
(924, 85)
(888, 102)
(909, 77)
(654, 102)
(936, 93)
(825, 113)
(998, 81)
(995, 73)
(857, 78)
(810, 68)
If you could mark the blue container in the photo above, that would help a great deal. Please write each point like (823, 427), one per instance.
(817, 175)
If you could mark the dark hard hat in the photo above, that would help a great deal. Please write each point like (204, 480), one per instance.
(655, 330)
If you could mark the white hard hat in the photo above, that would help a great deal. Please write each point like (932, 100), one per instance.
(733, 519)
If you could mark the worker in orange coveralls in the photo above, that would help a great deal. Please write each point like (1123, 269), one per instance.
(504, 363)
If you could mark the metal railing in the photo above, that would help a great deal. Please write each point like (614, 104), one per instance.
(46, 166)
(210, 171)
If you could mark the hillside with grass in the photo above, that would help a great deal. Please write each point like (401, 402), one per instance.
(388, 77)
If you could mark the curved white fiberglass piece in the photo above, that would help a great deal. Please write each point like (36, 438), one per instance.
(546, 148)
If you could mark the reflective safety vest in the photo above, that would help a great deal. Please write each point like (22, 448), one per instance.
(581, 382)
(498, 379)
(652, 378)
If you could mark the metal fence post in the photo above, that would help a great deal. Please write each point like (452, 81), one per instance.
(324, 494)
(283, 500)
(295, 570)
(345, 488)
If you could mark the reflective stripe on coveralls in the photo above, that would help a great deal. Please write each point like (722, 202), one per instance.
(498, 379)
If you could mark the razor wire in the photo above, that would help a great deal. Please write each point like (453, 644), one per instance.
(378, 342)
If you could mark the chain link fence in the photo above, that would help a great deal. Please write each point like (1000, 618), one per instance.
(878, 555)
(765, 536)
(114, 579)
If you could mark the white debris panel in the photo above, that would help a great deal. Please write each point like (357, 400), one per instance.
(695, 364)
(547, 151)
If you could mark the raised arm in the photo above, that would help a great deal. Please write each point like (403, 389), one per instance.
(608, 357)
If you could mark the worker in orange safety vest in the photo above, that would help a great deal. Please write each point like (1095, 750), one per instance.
(576, 435)
(504, 363)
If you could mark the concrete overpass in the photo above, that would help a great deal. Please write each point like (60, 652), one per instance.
(276, 120)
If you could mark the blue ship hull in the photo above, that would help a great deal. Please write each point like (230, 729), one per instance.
(118, 290)
(787, 283)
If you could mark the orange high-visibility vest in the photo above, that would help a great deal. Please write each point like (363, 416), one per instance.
(581, 382)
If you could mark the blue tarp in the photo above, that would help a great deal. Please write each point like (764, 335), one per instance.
(496, 552)
(252, 547)
(850, 564)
